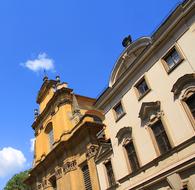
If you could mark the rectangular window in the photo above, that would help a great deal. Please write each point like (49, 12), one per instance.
(142, 88)
(161, 137)
(51, 138)
(119, 111)
(172, 59)
(191, 104)
(110, 174)
(86, 177)
(53, 183)
(133, 160)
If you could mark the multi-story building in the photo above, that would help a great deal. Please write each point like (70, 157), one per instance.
(149, 109)
(65, 139)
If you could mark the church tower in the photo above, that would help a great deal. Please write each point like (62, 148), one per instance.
(65, 127)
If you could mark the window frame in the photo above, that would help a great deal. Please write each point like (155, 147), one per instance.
(51, 138)
(153, 138)
(187, 95)
(85, 164)
(125, 144)
(118, 117)
(106, 172)
(138, 94)
(49, 128)
(167, 54)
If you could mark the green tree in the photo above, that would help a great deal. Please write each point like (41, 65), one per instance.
(17, 182)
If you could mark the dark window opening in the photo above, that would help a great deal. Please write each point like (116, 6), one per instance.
(110, 174)
(161, 137)
(119, 111)
(191, 104)
(53, 183)
(142, 87)
(172, 58)
(133, 160)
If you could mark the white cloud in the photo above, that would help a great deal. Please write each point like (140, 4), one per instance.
(32, 144)
(11, 160)
(42, 62)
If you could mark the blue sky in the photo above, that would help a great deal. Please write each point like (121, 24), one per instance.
(78, 40)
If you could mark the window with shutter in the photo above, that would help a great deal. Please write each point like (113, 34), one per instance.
(86, 177)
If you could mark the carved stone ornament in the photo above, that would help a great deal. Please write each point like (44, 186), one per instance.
(45, 183)
(39, 186)
(125, 132)
(149, 109)
(69, 166)
(76, 115)
(91, 151)
(58, 172)
(182, 82)
(104, 149)
(126, 141)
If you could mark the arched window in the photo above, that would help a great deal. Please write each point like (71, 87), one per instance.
(184, 90)
(49, 132)
(124, 137)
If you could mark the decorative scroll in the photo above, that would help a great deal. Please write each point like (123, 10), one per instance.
(39, 186)
(58, 173)
(69, 166)
(91, 151)
(45, 183)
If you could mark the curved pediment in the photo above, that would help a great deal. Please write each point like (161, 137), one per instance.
(127, 57)
(182, 82)
(125, 132)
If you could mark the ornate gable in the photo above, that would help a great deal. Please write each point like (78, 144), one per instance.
(104, 150)
(124, 133)
(149, 109)
(182, 82)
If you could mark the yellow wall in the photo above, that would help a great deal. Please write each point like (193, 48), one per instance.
(46, 99)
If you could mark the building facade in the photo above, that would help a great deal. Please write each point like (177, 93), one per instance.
(65, 139)
(144, 137)
(149, 109)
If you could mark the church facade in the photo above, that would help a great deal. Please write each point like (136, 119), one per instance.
(65, 129)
